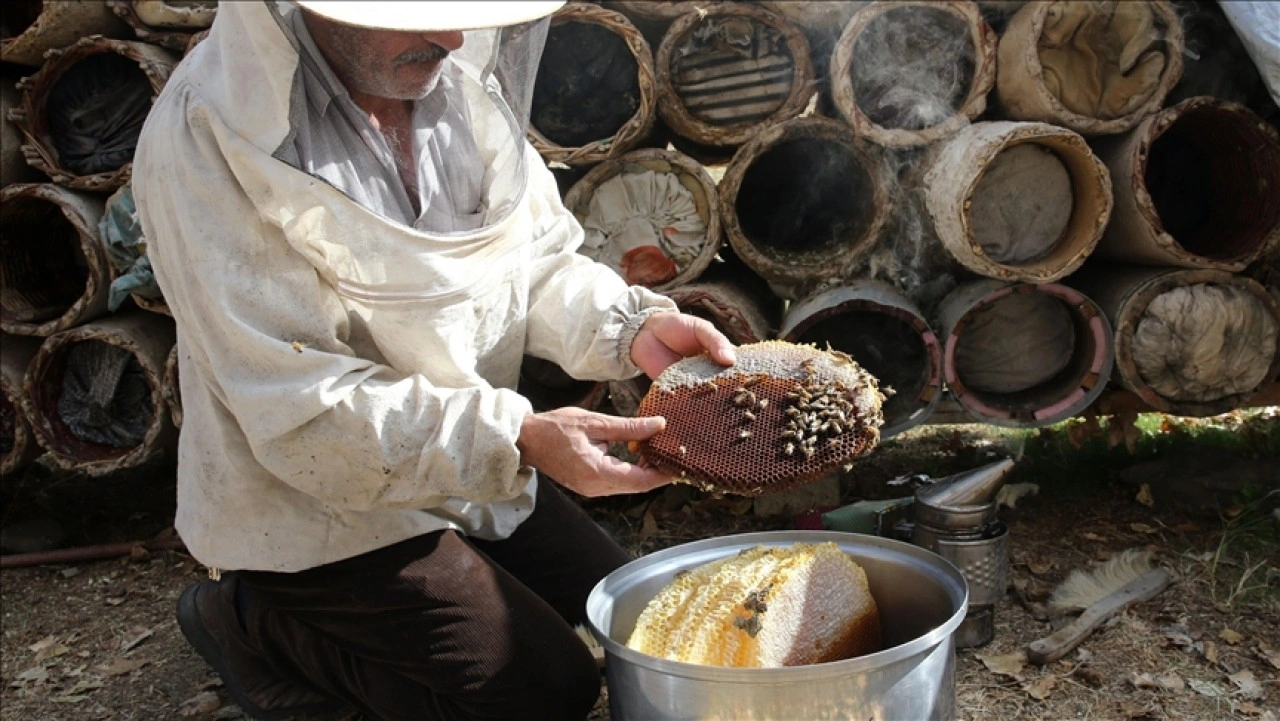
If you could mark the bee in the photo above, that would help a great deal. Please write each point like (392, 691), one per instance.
(748, 416)
(789, 449)
(763, 403)
(744, 434)
(683, 451)
(298, 346)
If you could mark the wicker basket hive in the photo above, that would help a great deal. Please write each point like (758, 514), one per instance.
(94, 395)
(120, 76)
(653, 215)
(908, 73)
(1023, 355)
(1188, 342)
(168, 23)
(728, 70)
(54, 268)
(1017, 201)
(1195, 187)
(595, 96)
(43, 25)
(804, 201)
(1094, 67)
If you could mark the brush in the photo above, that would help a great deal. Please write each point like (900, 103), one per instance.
(1126, 579)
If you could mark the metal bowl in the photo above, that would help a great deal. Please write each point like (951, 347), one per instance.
(921, 598)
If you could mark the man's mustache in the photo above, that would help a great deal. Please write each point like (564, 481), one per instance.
(433, 54)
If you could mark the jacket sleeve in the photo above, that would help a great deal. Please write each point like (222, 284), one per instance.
(592, 341)
(268, 339)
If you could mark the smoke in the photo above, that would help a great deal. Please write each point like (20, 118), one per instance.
(912, 67)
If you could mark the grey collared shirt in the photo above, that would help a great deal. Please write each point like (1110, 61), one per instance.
(332, 139)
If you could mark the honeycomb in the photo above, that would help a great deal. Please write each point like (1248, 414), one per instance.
(783, 415)
(763, 608)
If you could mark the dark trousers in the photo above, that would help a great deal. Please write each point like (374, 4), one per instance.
(443, 626)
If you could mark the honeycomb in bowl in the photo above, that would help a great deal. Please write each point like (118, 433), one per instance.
(764, 607)
(783, 415)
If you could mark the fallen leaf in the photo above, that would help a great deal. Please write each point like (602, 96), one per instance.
(1210, 651)
(1247, 684)
(115, 601)
(205, 702)
(1206, 688)
(1249, 708)
(1144, 496)
(1092, 537)
(42, 644)
(1170, 682)
(121, 666)
(1091, 676)
(1041, 688)
(1009, 664)
(36, 675)
(71, 572)
(45, 651)
(1231, 637)
(1133, 711)
(1142, 528)
(1178, 635)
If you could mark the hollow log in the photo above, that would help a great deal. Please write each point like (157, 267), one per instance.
(909, 73)
(652, 17)
(1188, 342)
(114, 81)
(652, 215)
(729, 70)
(1023, 355)
(1196, 186)
(54, 269)
(1017, 201)
(886, 334)
(168, 23)
(1094, 67)
(18, 447)
(32, 27)
(94, 395)
(804, 201)
(595, 96)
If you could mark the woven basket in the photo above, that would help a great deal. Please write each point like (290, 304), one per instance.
(54, 268)
(147, 338)
(13, 165)
(729, 70)
(162, 23)
(885, 333)
(1196, 186)
(690, 174)
(33, 118)
(956, 191)
(804, 202)
(625, 137)
(56, 24)
(1125, 294)
(18, 447)
(1020, 80)
(886, 108)
(1062, 385)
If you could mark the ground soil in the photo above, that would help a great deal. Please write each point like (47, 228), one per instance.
(98, 640)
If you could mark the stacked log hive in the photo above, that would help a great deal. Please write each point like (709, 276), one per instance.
(916, 167)
(84, 384)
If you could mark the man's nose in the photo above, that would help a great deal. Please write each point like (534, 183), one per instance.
(449, 40)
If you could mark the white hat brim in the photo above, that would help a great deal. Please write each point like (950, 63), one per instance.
(430, 15)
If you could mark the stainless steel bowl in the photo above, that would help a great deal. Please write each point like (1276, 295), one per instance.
(922, 600)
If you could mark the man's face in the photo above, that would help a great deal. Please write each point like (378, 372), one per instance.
(384, 63)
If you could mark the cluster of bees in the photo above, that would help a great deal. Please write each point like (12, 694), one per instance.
(816, 414)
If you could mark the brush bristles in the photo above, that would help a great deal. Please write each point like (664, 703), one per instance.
(1082, 589)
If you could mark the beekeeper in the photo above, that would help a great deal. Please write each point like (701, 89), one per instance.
(359, 248)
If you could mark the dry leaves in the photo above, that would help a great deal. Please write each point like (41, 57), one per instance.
(1231, 637)
(47, 648)
(1246, 684)
(122, 666)
(200, 705)
(1167, 681)
(1009, 664)
(1040, 688)
(1144, 496)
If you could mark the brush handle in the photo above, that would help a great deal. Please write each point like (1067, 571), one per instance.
(1061, 642)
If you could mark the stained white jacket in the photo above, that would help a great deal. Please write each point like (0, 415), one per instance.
(347, 382)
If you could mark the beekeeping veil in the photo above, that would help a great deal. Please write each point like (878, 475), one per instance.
(498, 62)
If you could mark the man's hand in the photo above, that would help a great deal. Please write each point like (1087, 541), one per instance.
(571, 446)
(669, 336)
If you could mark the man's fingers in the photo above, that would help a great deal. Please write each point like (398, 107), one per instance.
(629, 429)
(717, 345)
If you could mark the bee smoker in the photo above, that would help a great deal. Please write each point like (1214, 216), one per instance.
(956, 519)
